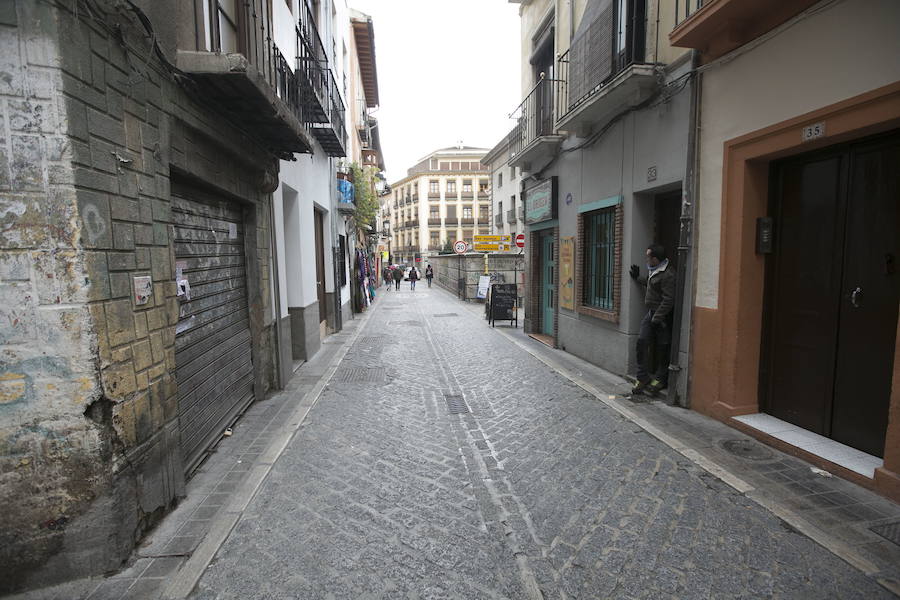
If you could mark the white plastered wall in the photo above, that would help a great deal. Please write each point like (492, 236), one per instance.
(844, 50)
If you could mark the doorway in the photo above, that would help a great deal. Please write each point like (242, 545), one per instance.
(320, 270)
(832, 292)
(548, 284)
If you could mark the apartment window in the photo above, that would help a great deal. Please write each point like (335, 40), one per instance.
(435, 239)
(599, 258)
(433, 187)
(451, 186)
(512, 173)
(467, 212)
(467, 186)
(482, 186)
(435, 213)
(499, 180)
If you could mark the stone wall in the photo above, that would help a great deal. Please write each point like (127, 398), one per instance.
(449, 269)
(93, 129)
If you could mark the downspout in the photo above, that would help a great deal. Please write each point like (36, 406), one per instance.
(685, 238)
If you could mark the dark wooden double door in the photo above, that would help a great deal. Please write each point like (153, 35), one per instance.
(833, 292)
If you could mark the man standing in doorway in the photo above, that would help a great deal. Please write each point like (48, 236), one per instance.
(656, 326)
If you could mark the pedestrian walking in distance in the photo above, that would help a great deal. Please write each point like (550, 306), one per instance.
(656, 326)
(429, 274)
(413, 278)
(398, 277)
(388, 277)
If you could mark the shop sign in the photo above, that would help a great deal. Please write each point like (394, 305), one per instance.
(540, 202)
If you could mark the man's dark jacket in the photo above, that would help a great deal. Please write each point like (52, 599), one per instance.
(660, 296)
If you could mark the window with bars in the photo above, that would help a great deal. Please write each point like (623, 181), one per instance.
(599, 258)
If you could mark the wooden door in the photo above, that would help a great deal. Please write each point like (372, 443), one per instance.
(833, 292)
(548, 283)
(869, 295)
(320, 263)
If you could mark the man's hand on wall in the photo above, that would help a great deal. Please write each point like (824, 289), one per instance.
(635, 272)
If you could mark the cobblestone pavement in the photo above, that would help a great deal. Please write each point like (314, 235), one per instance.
(391, 489)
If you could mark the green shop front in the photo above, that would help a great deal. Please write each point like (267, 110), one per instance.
(542, 230)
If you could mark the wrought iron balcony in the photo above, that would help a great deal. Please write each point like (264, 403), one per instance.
(434, 221)
(597, 80)
(534, 136)
(511, 216)
(716, 27)
(467, 221)
(285, 104)
(498, 220)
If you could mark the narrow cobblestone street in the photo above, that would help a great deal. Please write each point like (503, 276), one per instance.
(442, 461)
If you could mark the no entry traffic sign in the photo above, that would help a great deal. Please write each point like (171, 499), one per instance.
(520, 240)
(460, 246)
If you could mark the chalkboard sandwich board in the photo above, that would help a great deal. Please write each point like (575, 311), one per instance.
(503, 303)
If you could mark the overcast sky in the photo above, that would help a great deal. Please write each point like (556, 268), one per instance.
(447, 71)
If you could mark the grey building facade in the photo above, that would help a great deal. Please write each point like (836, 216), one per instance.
(602, 143)
(138, 152)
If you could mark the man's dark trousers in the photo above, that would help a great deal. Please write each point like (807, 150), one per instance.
(660, 338)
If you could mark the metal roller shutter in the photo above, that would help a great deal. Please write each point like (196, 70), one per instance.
(212, 342)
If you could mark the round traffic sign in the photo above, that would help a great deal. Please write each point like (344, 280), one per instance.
(460, 247)
(520, 240)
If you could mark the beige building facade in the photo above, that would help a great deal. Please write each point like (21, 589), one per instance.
(444, 198)
(796, 342)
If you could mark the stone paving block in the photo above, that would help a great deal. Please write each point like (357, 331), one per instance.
(384, 493)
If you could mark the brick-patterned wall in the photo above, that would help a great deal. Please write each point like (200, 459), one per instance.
(93, 131)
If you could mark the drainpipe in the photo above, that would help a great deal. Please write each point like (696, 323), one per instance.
(685, 238)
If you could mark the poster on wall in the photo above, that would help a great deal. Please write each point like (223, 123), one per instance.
(567, 273)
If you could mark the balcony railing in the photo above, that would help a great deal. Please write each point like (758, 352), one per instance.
(498, 220)
(436, 221)
(511, 216)
(325, 107)
(284, 101)
(467, 221)
(535, 116)
(685, 8)
(588, 66)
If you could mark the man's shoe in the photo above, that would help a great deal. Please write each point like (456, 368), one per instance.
(654, 387)
(639, 388)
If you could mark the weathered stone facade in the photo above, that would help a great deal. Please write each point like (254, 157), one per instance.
(94, 127)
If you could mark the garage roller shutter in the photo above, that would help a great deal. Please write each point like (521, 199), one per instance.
(212, 342)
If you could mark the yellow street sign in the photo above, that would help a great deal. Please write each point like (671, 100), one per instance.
(490, 247)
(493, 239)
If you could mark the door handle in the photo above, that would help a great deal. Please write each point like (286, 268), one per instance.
(855, 297)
